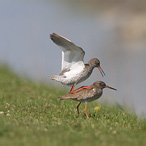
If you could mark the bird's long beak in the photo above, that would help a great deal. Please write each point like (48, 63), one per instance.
(101, 71)
(110, 87)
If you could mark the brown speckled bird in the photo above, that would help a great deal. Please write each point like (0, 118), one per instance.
(87, 95)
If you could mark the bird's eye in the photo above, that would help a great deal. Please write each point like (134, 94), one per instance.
(98, 64)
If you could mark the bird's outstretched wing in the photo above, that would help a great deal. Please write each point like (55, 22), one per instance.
(71, 53)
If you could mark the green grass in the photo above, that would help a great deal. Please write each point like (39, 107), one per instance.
(31, 114)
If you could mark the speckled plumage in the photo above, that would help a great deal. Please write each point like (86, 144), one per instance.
(87, 95)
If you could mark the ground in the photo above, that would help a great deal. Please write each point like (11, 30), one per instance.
(31, 114)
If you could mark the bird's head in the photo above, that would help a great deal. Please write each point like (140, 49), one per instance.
(102, 85)
(96, 63)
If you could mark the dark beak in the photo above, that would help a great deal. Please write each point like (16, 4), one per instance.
(101, 71)
(110, 87)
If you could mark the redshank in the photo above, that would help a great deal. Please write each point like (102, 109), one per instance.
(73, 70)
(87, 95)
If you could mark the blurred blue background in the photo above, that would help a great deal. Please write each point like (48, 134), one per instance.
(112, 31)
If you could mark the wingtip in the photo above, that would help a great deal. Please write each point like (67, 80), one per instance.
(51, 36)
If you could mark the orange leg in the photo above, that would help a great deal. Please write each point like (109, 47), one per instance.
(86, 110)
(72, 89)
(84, 87)
(78, 108)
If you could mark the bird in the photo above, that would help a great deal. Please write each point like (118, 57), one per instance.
(87, 95)
(73, 70)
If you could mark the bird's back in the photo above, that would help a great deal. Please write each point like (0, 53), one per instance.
(84, 95)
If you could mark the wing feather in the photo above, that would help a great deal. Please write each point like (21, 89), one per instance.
(71, 53)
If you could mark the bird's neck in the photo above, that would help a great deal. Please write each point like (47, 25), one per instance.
(89, 67)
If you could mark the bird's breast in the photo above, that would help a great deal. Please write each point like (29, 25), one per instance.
(74, 70)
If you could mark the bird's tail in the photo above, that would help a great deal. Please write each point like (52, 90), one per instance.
(53, 77)
(64, 97)
(57, 78)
